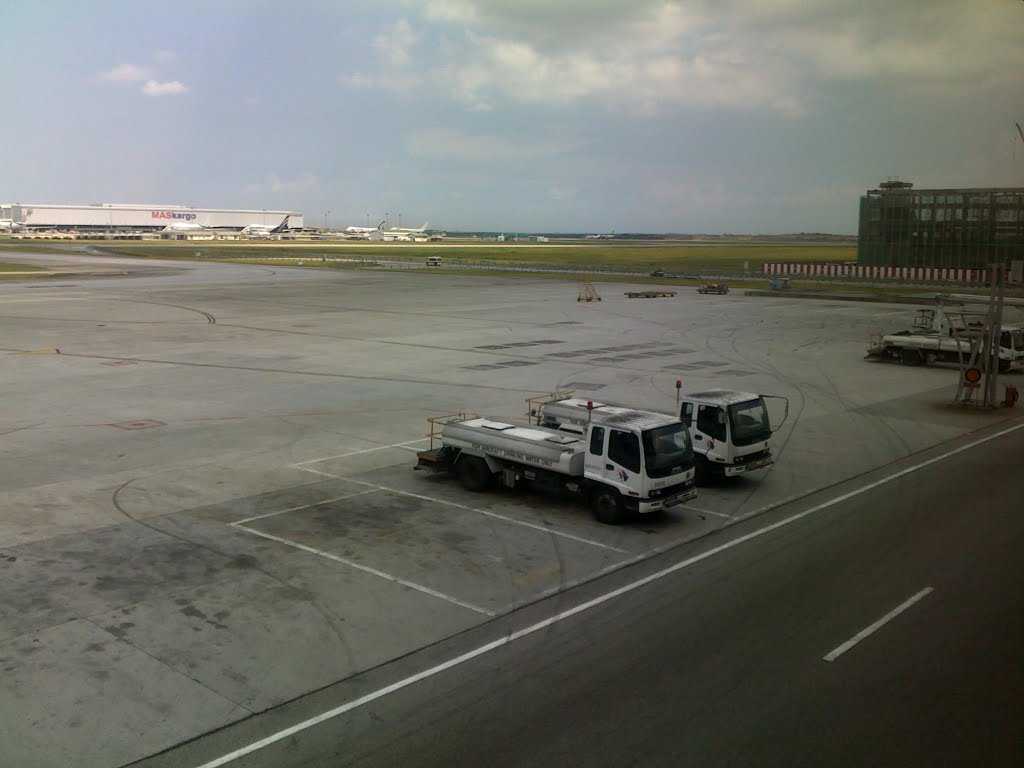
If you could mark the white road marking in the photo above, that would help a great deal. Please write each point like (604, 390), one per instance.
(365, 450)
(495, 515)
(503, 641)
(706, 511)
(37, 297)
(835, 654)
(317, 471)
(374, 571)
(304, 506)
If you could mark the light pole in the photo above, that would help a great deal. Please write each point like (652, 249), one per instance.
(326, 214)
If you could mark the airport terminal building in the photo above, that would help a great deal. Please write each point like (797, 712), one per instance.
(139, 218)
(958, 228)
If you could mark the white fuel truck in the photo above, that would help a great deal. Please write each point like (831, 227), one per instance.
(630, 462)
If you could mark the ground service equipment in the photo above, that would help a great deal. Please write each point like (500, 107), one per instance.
(634, 462)
(719, 288)
(649, 294)
(730, 432)
(944, 334)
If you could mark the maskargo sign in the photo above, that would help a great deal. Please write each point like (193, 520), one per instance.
(173, 215)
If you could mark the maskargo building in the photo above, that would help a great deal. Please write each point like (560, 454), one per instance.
(116, 216)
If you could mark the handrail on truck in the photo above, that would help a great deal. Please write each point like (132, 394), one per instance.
(437, 423)
(534, 404)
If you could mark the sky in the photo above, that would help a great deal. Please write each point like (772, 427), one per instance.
(692, 116)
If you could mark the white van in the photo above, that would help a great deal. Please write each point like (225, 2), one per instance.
(433, 261)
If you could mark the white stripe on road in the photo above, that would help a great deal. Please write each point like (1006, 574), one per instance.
(365, 450)
(374, 571)
(494, 645)
(835, 654)
(304, 506)
(706, 511)
(488, 513)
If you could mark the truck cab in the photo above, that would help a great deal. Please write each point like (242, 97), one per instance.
(647, 457)
(1011, 345)
(730, 432)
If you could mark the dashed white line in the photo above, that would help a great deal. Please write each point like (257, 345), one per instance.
(494, 645)
(707, 511)
(364, 450)
(836, 653)
(368, 569)
(317, 472)
(304, 506)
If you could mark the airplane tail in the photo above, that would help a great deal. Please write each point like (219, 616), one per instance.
(380, 227)
(282, 226)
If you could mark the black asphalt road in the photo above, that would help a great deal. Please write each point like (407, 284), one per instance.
(720, 663)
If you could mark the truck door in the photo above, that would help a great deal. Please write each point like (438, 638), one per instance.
(624, 462)
(594, 462)
(710, 435)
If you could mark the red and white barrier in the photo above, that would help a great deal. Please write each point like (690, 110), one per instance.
(908, 274)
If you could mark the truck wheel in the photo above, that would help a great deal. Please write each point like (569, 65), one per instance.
(911, 357)
(607, 506)
(474, 474)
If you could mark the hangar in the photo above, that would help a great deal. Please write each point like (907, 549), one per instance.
(142, 218)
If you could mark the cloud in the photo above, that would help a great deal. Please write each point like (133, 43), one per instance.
(126, 73)
(456, 145)
(358, 80)
(170, 88)
(653, 56)
(395, 45)
(563, 193)
(649, 55)
(305, 181)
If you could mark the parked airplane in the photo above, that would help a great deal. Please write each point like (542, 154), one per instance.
(253, 230)
(364, 230)
(408, 231)
(184, 226)
(261, 230)
(9, 225)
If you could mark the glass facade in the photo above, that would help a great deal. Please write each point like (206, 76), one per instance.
(961, 228)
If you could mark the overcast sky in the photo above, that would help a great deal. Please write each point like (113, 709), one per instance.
(742, 116)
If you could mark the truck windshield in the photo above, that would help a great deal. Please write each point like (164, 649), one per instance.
(667, 450)
(749, 422)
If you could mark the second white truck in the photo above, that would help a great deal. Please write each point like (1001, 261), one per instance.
(729, 430)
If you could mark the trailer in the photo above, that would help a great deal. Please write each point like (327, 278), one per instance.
(649, 294)
(636, 463)
(729, 430)
(945, 333)
(717, 288)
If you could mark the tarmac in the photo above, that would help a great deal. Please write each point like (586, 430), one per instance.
(210, 507)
